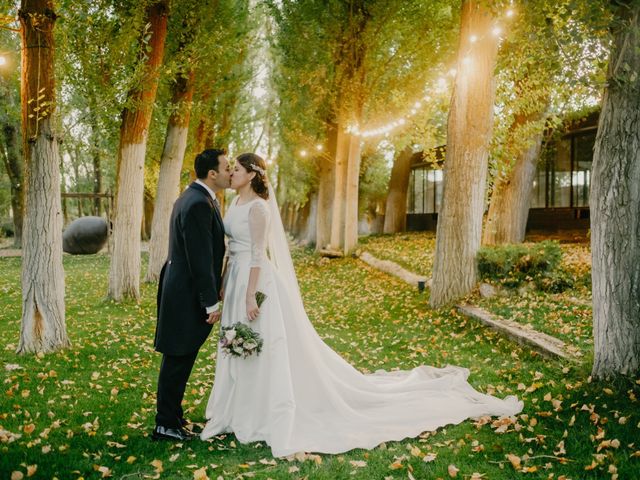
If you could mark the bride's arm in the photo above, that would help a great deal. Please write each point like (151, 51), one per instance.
(258, 219)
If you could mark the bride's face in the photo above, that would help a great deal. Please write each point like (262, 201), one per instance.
(240, 176)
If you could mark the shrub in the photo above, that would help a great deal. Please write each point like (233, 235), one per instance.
(512, 265)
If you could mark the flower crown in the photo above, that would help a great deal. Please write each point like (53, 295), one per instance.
(257, 169)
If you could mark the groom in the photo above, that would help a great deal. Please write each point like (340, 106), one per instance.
(189, 287)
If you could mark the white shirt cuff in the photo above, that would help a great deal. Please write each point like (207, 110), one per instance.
(213, 308)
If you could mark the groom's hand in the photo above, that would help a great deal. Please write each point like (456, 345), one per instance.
(213, 317)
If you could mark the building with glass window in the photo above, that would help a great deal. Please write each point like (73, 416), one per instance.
(560, 197)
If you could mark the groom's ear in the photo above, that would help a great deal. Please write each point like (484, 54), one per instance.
(213, 174)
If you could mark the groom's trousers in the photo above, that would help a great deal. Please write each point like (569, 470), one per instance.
(172, 381)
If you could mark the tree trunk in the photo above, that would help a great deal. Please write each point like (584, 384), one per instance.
(351, 195)
(13, 166)
(310, 230)
(511, 197)
(175, 145)
(465, 169)
(96, 159)
(326, 185)
(395, 217)
(124, 273)
(615, 206)
(43, 312)
(339, 188)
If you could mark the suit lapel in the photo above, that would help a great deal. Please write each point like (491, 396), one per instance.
(216, 212)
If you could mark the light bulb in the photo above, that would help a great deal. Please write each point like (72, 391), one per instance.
(473, 38)
(303, 153)
(319, 147)
(3, 60)
(496, 31)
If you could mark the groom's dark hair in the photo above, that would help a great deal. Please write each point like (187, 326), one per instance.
(208, 160)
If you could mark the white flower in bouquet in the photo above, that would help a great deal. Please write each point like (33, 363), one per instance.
(250, 345)
(230, 335)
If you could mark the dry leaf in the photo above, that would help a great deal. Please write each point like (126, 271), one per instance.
(157, 464)
(200, 474)
(515, 460)
(453, 470)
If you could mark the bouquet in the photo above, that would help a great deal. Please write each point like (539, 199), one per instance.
(240, 340)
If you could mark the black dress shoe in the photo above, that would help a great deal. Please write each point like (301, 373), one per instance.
(174, 434)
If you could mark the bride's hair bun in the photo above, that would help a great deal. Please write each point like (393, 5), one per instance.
(255, 163)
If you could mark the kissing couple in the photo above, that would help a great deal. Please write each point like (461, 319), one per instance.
(297, 394)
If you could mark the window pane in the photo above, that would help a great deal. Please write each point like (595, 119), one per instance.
(560, 172)
(581, 176)
(411, 197)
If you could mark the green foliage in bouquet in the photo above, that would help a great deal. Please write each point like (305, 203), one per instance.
(513, 265)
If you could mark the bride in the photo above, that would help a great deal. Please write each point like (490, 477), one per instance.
(298, 394)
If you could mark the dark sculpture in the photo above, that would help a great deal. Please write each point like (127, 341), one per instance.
(85, 235)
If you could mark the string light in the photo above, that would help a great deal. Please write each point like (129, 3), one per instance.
(441, 85)
(319, 147)
(303, 153)
(3, 60)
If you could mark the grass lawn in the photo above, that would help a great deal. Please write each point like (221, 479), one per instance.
(567, 316)
(87, 412)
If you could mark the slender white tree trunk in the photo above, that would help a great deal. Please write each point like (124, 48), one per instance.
(351, 195)
(339, 190)
(615, 206)
(168, 191)
(124, 272)
(326, 184)
(465, 169)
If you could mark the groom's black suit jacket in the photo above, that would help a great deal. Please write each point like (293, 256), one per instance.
(190, 279)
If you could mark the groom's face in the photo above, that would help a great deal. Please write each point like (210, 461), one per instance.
(223, 177)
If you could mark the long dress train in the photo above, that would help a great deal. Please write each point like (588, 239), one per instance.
(300, 395)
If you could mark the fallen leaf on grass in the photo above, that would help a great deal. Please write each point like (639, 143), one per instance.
(200, 474)
(453, 470)
(358, 463)
(105, 471)
(157, 464)
(515, 460)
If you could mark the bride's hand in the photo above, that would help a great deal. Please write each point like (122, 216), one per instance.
(252, 308)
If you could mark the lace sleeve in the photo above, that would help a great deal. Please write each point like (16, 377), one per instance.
(258, 222)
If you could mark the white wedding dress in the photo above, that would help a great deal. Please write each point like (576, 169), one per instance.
(300, 395)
